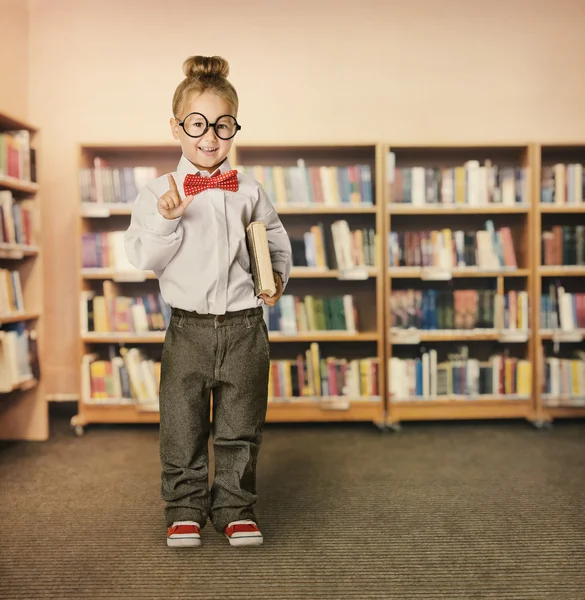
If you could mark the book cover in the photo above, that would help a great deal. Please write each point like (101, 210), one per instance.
(260, 262)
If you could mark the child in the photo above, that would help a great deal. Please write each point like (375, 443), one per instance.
(189, 227)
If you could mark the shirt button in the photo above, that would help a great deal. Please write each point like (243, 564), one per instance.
(221, 318)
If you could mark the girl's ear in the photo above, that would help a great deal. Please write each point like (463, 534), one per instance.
(174, 127)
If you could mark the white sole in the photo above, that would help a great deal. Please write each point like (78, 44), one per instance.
(183, 542)
(256, 540)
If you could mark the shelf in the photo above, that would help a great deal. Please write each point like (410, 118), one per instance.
(455, 209)
(17, 251)
(18, 185)
(416, 336)
(562, 208)
(24, 385)
(309, 209)
(157, 337)
(576, 335)
(104, 210)
(564, 402)
(359, 273)
(562, 271)
(152, 337)
(430, 274)
(325, 336)
(121, 276)
(565, 412)
(299, 410)
(17, 317)
(485, 407)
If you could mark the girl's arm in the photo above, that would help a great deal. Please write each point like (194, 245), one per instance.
(278, 240)
(151, 241)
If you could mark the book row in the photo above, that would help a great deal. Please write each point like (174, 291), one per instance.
(563, 245)
(105, 250)
(446, 249)
(104, 184)
(471, 184)
(434, 309)
(564, 378)
(562, 184)
(17, 159)
(296, 314)
(11, 298)
(335, 247)
(16, 221)
(19, 358)
(312, 374)
(302, 184)
(427, 378)
(123, 314)
(560, 309)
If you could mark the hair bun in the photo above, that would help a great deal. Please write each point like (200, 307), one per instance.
(206, 66)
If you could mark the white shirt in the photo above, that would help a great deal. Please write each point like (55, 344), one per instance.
(201, 259)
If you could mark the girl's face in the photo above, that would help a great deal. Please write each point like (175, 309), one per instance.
(208, 151)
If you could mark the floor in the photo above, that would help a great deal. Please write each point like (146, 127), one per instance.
(438, 511)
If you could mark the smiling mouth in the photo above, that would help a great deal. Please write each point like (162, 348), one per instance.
(209, 150)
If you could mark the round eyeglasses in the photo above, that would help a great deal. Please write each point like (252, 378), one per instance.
(196, 125)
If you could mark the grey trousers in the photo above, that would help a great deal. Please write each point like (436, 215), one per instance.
(227, 356)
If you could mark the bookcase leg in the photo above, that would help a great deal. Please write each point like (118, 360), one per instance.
(77, 426)
(541, 422)
(393, 426)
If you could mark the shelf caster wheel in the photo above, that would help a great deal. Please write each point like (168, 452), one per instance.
(394, 427)
(77, 426)
(542, 425)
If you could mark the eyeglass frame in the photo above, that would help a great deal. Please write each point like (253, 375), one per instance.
(182, 124)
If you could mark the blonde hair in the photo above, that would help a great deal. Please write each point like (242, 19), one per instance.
(205, 73)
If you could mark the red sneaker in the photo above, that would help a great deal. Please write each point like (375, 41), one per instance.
(184, 534)
(243, 533)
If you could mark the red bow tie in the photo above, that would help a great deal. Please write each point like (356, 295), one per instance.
(195, 183)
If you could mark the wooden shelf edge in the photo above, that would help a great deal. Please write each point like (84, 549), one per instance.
(18, 185)
(26, 384)
(277, 412)
(462, 272)
(6, 319)
(156, 337)
(360, 274)
(454, 209)
(564, 412)
(561, 208)
(460, 409)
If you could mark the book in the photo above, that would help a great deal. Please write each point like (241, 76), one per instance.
(260, 262)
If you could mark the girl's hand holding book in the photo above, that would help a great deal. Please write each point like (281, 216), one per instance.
(272, 300)
(170, 205)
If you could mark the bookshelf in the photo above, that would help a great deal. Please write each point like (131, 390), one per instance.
(560, 282)
(459, 327)
(329, 200)
(23, 406)
(358, 350)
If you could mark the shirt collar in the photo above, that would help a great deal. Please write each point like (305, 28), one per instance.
(186, 166)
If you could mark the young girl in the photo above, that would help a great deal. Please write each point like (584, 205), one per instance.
(189, 227)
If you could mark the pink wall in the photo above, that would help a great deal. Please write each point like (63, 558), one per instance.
(310, 70)
(14, 58)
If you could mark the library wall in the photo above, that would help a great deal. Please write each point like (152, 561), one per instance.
(14, 63)
(417, 72)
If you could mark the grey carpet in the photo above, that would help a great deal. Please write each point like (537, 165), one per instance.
(440, 511)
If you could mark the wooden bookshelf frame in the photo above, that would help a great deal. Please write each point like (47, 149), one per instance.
(458, 408)
(294, 410)
(564, 153)
(383, 411)
(24, 410)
